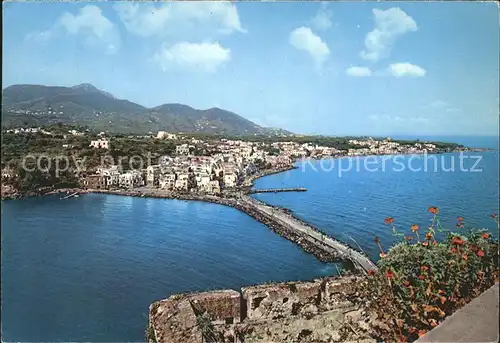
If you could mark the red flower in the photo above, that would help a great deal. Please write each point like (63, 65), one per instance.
(372, 272)
(428, 235)
(414, 228)
(383, 255)
(433, 210)
(388, 220)
(460, 219)
(435, 243)
(494, 216)
(465, 257)
(453, 250)
(389, 274)
(425, 244)
(424, 268)
(457, 241)
(406, 283)
(440, 291)
(485, 235)
(421, 277)
(480, 253)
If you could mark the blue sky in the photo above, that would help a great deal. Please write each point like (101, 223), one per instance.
(341, 68)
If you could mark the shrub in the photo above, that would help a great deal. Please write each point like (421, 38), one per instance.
(420, 281)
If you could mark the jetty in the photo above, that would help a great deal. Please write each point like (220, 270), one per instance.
(307, 232)
(278, 190)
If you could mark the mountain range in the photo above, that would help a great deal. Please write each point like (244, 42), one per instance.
(86, 105)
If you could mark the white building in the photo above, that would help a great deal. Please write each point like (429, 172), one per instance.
(152, 175)
(165, 135)
(167, 181)
(182, 149)
(101, 143)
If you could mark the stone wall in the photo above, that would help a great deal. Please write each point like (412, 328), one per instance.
(283, 311)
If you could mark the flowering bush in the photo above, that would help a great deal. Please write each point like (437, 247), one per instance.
(422, 280)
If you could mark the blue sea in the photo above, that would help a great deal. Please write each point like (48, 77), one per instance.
(87, 268)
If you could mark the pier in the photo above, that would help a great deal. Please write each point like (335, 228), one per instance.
(322, 242)
(277, 190)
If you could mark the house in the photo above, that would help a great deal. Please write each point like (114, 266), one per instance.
(111, 175)
(131, 179)
(182, 149)
(93, 182)
(167, 181)
(214, 187)
(230, 179)
(166, 135)
(101, 143)
(8, 173)
(152, 175)
(182, 182)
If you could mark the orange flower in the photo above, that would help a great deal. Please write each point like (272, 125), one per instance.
(485, 235)
(421, 277)
(425, 244)
(424, 268)
(428, 235)
(421, 333)
(465, 257)
(388, 220)
(383, 255)
(441, 291)
(480, 253)
(372, 272)
(414, 228)
(460, 219)
(389, 274)
(433, 210)
(442, 299)
(457, 241)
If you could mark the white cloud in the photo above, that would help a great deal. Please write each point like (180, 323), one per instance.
(406, 69)
(204, 57)
(358, 71)
(389, 26)
(398, 119)
(89, 23)
(303, 38)
(323, 18)
(174, 17)
(439, 104)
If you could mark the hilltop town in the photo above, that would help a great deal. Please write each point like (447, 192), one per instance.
(175, 162)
